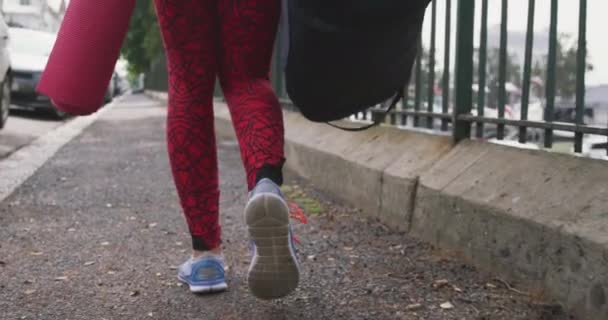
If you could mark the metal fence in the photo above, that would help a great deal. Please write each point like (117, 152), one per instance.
(461, 104)
(466, 110)
(465, 114)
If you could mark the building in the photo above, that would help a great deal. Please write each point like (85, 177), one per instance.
(45, 15)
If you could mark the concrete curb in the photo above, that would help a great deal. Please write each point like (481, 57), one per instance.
(477, 199)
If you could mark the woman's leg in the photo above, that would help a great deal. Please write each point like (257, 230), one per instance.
(248, 29)
(189, 29)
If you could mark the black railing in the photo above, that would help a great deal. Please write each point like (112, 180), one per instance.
(477, 103)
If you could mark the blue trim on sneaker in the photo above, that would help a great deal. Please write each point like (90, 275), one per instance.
(208, 271)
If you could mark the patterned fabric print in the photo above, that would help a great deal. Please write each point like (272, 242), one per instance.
(191, 31)
(248, 29)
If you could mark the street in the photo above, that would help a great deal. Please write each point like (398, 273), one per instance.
(101, 233)
(438, 160)
(22, 128)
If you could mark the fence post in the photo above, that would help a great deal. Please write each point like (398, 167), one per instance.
(464, 68)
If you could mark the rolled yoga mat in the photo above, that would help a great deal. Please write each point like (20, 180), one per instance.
(83, 59)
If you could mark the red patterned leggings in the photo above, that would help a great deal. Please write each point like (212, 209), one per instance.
(232, 40)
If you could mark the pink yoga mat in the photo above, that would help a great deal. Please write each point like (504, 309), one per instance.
(84, 56)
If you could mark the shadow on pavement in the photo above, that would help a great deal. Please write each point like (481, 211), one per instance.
(38, 115)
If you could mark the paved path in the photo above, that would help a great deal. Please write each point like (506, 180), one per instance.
(96, 233)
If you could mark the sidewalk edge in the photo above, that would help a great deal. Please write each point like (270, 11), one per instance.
(22, 164)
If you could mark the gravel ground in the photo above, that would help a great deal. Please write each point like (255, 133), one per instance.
(97, 234)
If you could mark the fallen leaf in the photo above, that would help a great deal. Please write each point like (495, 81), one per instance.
(413, 307)
(440, 283)
(62, 278)
(446, 305)
(89, 263)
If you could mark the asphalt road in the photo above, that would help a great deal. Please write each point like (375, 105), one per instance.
(22, 128)
(97, 233)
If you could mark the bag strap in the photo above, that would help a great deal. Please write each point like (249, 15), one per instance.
(396, 99)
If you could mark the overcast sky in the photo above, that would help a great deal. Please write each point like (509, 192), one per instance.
(597, 26)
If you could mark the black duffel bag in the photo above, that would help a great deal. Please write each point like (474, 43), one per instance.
(345, 56)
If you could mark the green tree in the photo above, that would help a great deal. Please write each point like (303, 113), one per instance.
(513, 73)
(143, 44)
(565, 69)
(538, 69)
(424, 77)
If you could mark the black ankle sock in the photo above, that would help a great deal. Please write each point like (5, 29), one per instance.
(199, 244)
(272, 172)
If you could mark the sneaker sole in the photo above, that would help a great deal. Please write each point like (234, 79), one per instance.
(205, 289)
(273, 272)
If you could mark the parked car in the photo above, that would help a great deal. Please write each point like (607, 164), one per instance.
(5, 73)
(29, 51)
(595, 146)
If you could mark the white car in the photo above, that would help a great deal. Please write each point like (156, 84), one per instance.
(594, 146)
(5, 73)
(30, 50)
